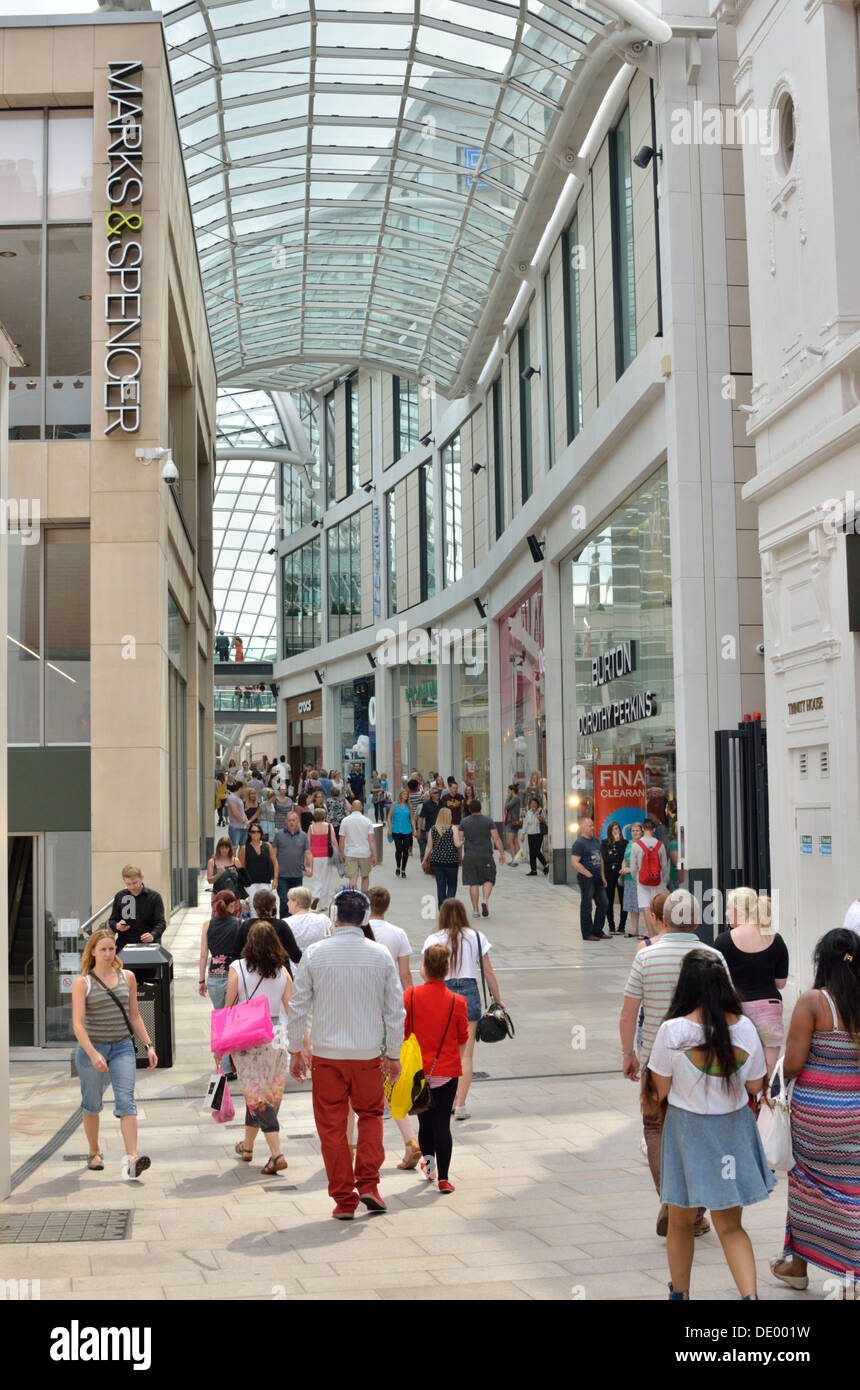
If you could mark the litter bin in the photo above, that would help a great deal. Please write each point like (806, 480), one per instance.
(379, 832)
(153, 969)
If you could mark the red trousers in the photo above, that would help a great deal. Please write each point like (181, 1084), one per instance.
(336, 1084)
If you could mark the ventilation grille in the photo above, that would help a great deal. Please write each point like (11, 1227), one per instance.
(824, 762)
(803, 760)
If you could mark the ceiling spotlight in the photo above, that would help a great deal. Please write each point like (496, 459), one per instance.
(319, 677)
(318, 522)
(476, 468)
(536, 548)
(273, 551)
(8, 256)
(480, 607)
(31, 385)
(372, 661)
(528, 372)
(426, 439)
(85, 297)
(645, 155)
(58, 386)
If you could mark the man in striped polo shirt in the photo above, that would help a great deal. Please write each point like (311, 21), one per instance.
(651, 984)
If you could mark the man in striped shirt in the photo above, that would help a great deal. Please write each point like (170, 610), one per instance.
(349, 983)
(651, 985)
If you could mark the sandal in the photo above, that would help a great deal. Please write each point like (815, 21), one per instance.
(245, 1154)
(794, 1281)
(96, 1162)
(412, 1157)
(275, 1165)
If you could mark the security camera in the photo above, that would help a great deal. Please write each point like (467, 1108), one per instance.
(760, 648)
(169, 472)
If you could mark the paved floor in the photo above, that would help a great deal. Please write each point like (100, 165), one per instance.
(553, 1196)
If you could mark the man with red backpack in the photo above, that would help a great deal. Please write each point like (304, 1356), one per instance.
(649, 869)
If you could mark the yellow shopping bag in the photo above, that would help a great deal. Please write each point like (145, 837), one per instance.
(399, 1096)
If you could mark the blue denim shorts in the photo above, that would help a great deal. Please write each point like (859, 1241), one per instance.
(122, 1068)
(469, 991)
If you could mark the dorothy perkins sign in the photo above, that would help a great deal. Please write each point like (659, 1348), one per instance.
(612, 665)
(123, 250)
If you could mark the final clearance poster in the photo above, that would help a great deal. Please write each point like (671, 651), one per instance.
(619, 795)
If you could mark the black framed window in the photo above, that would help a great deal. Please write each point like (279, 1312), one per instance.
(453, 509)
(572, 260)
(344, 576)
(328, 428)
(301, 598)
(523, 358)
(621, 211)
(426, 529)
(498, 459)
(405, 399)
(353, 442)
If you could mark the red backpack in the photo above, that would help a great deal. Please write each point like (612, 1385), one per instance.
(650, 874)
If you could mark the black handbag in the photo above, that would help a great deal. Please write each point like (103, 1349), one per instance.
(422, 1091)
(495, 1022)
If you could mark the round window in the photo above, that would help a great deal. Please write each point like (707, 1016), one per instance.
(785, 130)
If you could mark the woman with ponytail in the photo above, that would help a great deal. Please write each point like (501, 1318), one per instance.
(823, 1052)
(707, 1060)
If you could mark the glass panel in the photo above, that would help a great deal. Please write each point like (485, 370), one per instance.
(344, 577)
(498, 459)
(21, 298)
(22, 160)
(451, 491)
(67, 636)
(24, 642)
(621, 593)
(429, 524)
(522, 689)
(392, 550)
(622, 245)
(573, 254)
(70, 166)
(301, 598)
(525, 414)
(68, 332)
(549, 369)
(67, 895)
(470, 717)
(331, 486)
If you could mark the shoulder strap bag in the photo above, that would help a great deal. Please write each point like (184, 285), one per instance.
(116, 999)
(495, 1022)
(422, 1092)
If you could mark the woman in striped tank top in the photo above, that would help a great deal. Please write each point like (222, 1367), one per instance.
(105, 1017)
(823, 1052)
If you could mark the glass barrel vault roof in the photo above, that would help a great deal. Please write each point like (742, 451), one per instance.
(358, 174)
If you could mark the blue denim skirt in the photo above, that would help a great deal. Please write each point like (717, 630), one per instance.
(713, 1161)
(469, 991)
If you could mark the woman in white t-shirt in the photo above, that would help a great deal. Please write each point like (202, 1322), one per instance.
(707, 1060)
(262, 1070)
(464, 943)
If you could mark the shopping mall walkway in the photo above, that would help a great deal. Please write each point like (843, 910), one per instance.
(553, 1195)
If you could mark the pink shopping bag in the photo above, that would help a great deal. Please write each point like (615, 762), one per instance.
(226, 1109)
(243, 1026)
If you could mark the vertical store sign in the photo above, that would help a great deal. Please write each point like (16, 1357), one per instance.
(374, 515)
(124, 250)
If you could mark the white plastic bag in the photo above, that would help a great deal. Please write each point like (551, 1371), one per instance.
(774, 1122)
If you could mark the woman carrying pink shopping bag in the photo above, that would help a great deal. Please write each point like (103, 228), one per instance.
(261, 1065)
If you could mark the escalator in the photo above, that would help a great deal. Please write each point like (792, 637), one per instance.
(22, 1013)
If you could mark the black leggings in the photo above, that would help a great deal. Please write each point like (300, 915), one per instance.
(434, 1127)
(535, 842)
(613, 886)
(402, 848)
(379, 811)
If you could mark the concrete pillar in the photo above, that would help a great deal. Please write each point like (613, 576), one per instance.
(8, 355)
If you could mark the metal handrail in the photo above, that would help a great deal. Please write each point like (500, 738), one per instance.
(82, 930)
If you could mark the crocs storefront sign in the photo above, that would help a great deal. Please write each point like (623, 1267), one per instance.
(124, 248)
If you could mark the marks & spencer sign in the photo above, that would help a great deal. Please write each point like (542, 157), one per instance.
(124, 249)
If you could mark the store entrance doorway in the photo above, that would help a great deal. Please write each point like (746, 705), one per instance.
(23, 967)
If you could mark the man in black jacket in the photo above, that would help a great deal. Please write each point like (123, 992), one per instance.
(137, 914)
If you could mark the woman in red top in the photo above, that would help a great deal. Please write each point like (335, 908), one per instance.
(442, 1030)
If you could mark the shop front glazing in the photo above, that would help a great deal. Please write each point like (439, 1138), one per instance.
(522, 688)
(621, 725)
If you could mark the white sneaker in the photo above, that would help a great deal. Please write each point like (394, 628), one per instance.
(476, 912)
(462, 1112)
(428, 1168)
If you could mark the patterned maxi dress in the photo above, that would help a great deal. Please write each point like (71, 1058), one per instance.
(823, 1224)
